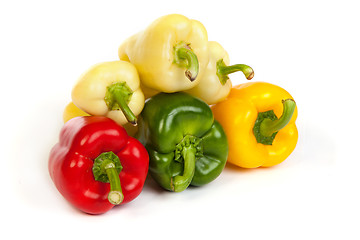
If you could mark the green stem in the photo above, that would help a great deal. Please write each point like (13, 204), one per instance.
(106, 169)
(268, 127)
(115, 195)
(185, 57)
(183, 181)
(117, 97)
(222, 70)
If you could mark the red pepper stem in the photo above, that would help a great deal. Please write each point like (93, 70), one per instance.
(106, 169)
(183, 181)
(269, 127)
(115, 195)
(117, 97)
(222, 70)
(184, 56)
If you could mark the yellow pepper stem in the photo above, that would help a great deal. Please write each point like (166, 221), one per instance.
(184, 56)
(268, 127)
(222, 70)
(117, 97)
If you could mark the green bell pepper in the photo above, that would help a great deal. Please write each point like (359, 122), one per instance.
(185, 144)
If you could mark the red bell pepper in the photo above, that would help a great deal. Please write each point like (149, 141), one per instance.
(96, 165)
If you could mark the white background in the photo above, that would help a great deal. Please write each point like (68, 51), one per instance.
(310, 48)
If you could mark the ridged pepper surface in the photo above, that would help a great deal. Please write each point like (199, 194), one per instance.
(259, 121)
(185, 145)
(96, 165)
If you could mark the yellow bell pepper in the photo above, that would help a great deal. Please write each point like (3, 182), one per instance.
(72, 111)
(215, 85)
(259, 121)
(110, 89)
(170, 55)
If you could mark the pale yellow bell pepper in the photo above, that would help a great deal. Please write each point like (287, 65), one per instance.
(110, 89)
(128, 43)
(170, 55)
(215, 85)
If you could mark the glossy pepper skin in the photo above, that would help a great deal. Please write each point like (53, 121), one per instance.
(72, 111)
(215, 85)
(170, 54)
(110, 89)
(185, 145)
(259, 120)
(96, 165)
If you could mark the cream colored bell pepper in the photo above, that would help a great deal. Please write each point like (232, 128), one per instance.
(215, 85)
(170, 55)
(110, 89)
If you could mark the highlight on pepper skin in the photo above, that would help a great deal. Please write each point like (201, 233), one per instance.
(110, 89)
(81, 169)
(72, 111)
(259, 121)
(215, 85)
(184, 40)
(190, 150)
(166, 107)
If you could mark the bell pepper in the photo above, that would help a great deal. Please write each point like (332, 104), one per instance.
(185, 145)
(110, 89)
(259, 121)
(148, 92)
(72, 111)
(215, 85)
(170, 54)
(96, 165)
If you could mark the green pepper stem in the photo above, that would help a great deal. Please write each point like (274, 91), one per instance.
(184, 56)
(117, 97)
(269, 127)
(222, 70)
(120, 99)
(106, 169)
(183, 181)
(115, 195)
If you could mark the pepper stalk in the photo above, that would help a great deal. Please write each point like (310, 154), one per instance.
(106, 169)
(184, 56)
(187, 151)
(110, 89)
(222, 70)
(267, 124)
(215, 85)
(117, 97)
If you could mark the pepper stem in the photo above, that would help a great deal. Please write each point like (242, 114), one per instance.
(222, 70)
(117, 97)
(268, 127)
(183, 181)
(184, 56)
(115, 195)
(106, 169)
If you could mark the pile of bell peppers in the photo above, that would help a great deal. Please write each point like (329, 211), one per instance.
(167, 107)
